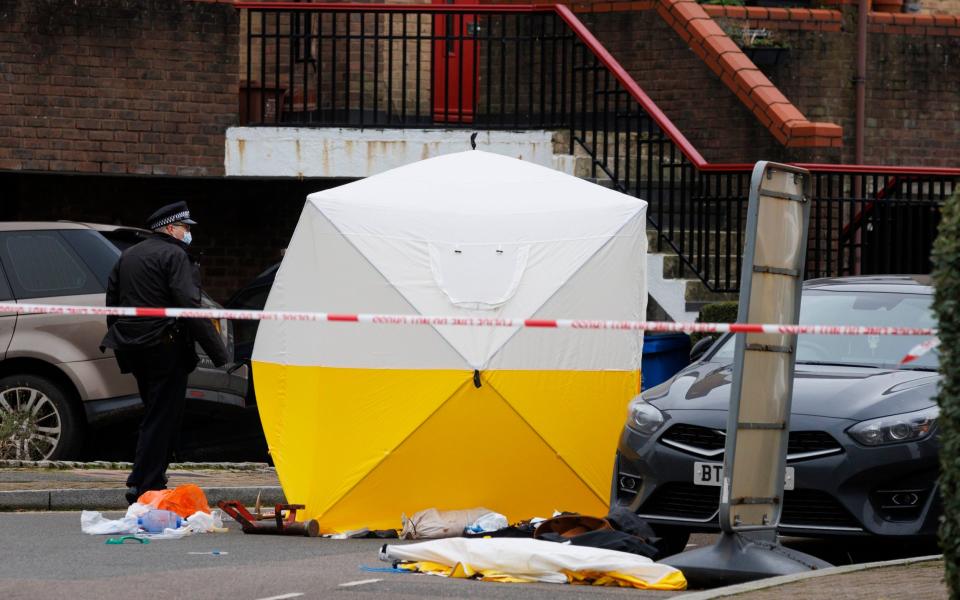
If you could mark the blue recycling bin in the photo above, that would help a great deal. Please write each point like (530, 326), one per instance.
(663, 355)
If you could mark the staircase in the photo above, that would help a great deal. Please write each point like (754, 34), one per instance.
(675, 293)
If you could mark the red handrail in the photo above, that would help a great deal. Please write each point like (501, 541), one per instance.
(632, 87)
(879, 169)
(396, 8)
(621, 74)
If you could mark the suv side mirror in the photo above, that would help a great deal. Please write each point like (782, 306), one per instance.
(700, 348)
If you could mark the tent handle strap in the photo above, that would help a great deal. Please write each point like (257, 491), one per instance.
(476, 378)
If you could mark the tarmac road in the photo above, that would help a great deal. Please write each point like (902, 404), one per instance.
(45, 555)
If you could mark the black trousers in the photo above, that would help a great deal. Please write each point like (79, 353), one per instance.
(161, 375)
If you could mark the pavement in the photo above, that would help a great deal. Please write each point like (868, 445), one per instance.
(48, 496)
(101, 486)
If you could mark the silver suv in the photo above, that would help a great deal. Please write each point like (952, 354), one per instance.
(55, 384)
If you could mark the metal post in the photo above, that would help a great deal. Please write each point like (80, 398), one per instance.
(758, 421)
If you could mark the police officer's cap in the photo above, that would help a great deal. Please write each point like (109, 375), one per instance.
(178, 212)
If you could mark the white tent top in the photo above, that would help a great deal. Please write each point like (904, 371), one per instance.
(471, 233)
(476, 197)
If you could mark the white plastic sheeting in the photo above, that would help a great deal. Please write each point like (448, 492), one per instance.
(537, 560)
(94, 523)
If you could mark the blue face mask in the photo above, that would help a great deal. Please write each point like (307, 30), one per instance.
(187, 238)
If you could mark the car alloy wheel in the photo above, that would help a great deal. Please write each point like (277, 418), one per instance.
(30, 424)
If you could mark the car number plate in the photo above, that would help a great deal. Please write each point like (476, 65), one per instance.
(705, 473)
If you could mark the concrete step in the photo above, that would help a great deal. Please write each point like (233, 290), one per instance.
(697, 293)
(561, 139)
(601, 181)
(615, 159)
(675, 268)
(579, 164)
(677, 299)
(712, 241)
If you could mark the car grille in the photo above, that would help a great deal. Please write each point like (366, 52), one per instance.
(684, 500)
(704, 438)
(816, 508)
(811, 441)
(696, 436)
(811, 508)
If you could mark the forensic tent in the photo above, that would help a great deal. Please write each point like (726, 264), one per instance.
(366, 422)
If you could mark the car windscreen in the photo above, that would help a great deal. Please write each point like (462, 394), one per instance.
(884, 309)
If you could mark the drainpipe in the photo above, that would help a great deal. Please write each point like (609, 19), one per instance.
(860, 81)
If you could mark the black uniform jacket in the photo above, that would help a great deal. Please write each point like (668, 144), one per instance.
(159, 273)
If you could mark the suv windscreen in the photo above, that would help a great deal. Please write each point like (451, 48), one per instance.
(883, 309)
(42, 264)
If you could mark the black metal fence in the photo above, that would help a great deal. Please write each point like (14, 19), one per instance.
(517, 67)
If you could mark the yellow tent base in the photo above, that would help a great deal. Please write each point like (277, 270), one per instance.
(360, 447)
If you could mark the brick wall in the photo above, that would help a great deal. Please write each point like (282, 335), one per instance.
(687, 91)
(913, 87)
(243, 224)
(913, 101)
(149, 86)
(116, 86)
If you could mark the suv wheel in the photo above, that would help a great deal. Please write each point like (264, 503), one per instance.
(37, 420)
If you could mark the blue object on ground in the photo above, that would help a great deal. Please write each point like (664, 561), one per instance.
(156, 520)
(663, 355)
(369, 569)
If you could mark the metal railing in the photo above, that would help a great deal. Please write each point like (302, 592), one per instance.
(512, 67)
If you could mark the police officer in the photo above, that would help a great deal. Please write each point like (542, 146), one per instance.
(158, 272)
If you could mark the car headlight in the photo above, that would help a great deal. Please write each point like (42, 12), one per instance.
(643, 417)
(906, 427)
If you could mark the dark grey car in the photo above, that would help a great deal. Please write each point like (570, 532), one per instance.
(862, 455)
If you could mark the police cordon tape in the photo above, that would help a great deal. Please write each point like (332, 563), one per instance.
(438, 321)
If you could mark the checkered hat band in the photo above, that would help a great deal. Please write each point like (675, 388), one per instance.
(172, 219)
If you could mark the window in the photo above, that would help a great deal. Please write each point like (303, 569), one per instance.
(96, 252)
(884, 309)
(40, 264)
(5, 293)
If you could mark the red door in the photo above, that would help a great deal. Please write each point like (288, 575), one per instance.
(455, 60)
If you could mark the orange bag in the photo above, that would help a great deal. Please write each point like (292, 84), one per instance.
(184, 500)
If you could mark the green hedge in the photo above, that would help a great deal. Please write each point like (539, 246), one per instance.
(946, 261)
(718, 312)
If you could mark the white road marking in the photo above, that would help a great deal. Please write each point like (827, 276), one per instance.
(359, 582)
(690, 546)
(283, 596)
